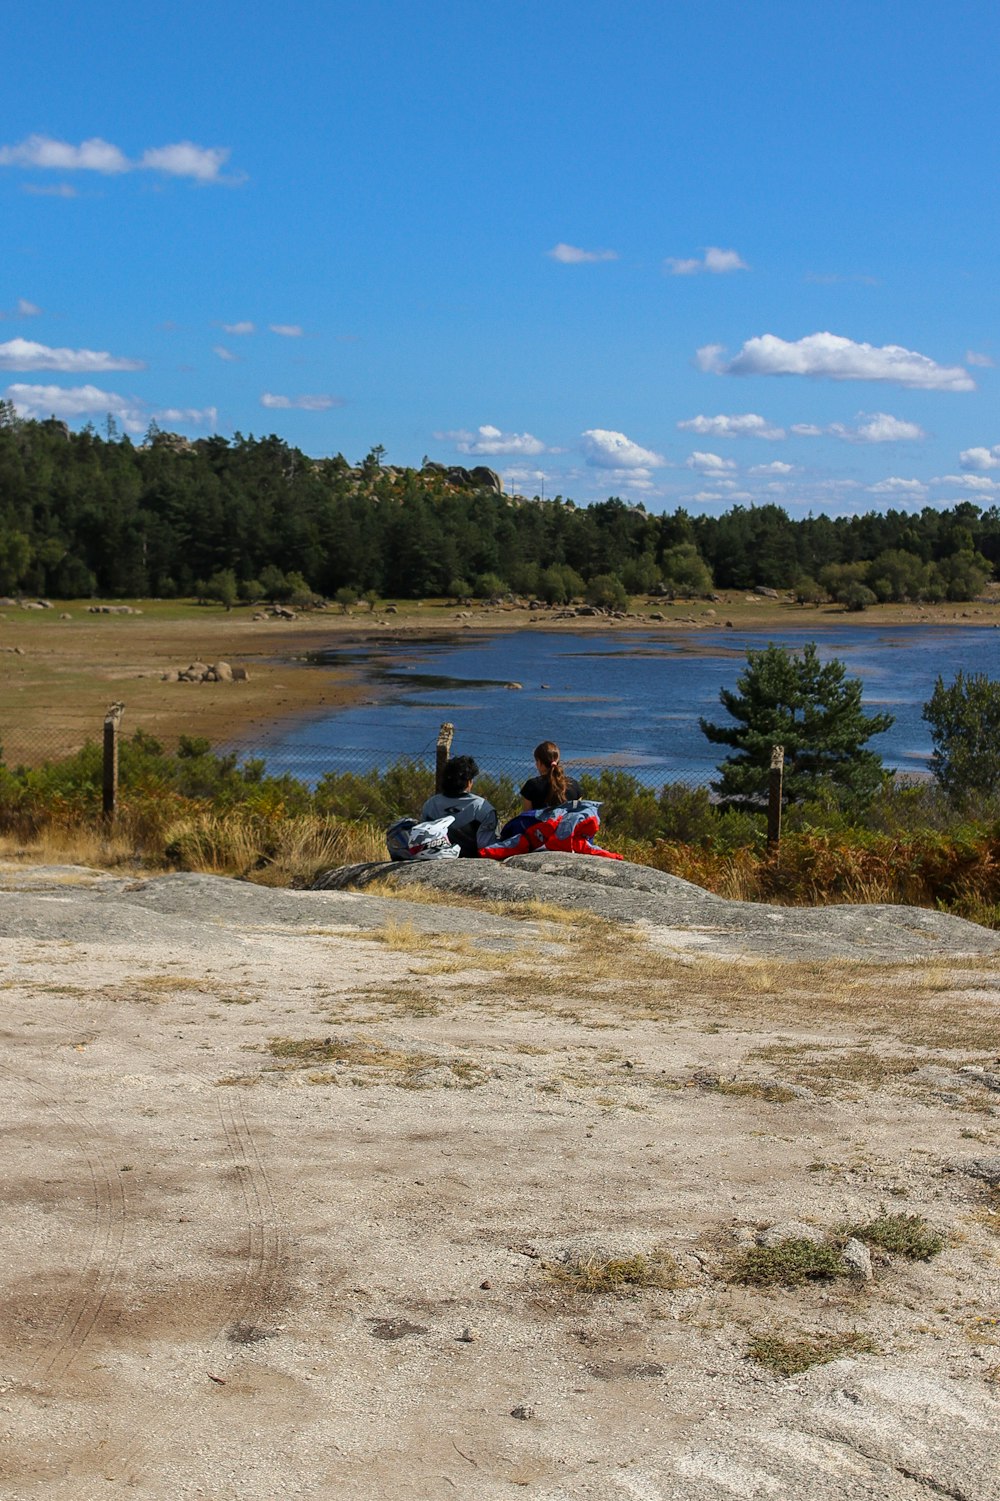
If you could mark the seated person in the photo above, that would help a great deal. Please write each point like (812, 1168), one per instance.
(551, 788)
(475, 819)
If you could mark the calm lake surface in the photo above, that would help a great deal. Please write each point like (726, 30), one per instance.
(629, 701)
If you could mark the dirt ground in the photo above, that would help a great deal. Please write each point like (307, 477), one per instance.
(58, 675)
(302, 1190)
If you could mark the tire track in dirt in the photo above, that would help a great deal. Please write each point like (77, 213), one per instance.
(72, 1329)
(256, 1295)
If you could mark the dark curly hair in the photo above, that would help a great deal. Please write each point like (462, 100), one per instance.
(459, 771)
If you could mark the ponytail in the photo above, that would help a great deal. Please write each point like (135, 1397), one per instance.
(547, 754)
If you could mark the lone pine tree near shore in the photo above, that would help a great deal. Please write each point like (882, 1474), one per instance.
(811, 708)
(965, 729)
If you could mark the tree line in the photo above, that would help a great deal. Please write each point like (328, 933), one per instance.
(91, 513)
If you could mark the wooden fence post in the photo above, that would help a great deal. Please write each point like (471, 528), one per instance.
(445, 736)
(112, 722)
(774, 780)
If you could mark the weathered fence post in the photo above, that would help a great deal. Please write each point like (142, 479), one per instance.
(112, 721)
(445, 736)
(774, 780)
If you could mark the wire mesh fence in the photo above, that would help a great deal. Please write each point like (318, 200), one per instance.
(54, 735)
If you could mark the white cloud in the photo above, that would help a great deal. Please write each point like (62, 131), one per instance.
(806, 430)
(319, 403)
(743, 425)
(286, 330)
(897, 486)
(185, 159)
(980, 458)
(24, 354)
(717, 262)
(708, 463)
(572, 255)
(93, 155)
(49, 190)
(831, 357)
(978, 482)
(709, 357)
(610, 450)
(974, 358)
(26, 309)
(777, 467)
(224, 353)
(182, 159)
(490, 440)
(73, 402)
(877, 427)
(196, 416)
(246, 327)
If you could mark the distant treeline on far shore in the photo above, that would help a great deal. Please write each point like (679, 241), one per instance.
(94, 513)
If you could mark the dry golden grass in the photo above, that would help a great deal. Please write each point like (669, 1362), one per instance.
(615, 1274)
(367, 1062)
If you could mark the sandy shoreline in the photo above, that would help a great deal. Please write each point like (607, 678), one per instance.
(60, 668)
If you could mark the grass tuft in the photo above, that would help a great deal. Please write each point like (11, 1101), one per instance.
(789, 1357)
(901, 1235)
(787, 1264)
(615, 1274)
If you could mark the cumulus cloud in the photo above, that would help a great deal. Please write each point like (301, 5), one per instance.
(806, 430)
(488, 440)
(715, 261)
(831, 357)
(777, 467)
(978, 482)
(743, 425)
(286, 330)
(877, 427)
(246, 327)
(708, 463)
(185, 159)
(26, 309)
(189, 416)
(182, 159)
(25, 354)
(224, 353)
(980, 458)
(318, 403)
(610, 450)
(897, 486)
(972, 357)
(73, 402)
(572, 255)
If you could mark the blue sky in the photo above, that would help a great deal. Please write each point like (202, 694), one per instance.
(705, 253)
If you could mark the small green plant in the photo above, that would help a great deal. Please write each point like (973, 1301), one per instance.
(901, 1235)
(788, 1357)
(788, 1264)
(615, 1274)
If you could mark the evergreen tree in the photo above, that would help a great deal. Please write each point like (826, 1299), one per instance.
(811, 708)
(965, 731)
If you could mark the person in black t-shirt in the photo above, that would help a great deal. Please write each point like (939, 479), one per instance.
(551, 788)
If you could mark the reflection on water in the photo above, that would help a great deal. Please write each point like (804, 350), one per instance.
(610, 700)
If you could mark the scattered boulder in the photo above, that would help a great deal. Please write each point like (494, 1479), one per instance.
(64, 615)
(857, 1256)
(766, 593)
(987, 1169)
(207, 672)
(789, 1230)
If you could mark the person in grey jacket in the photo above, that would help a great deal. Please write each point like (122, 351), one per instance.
(475, 819)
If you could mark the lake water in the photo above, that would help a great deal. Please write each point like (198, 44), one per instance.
(630, 701)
